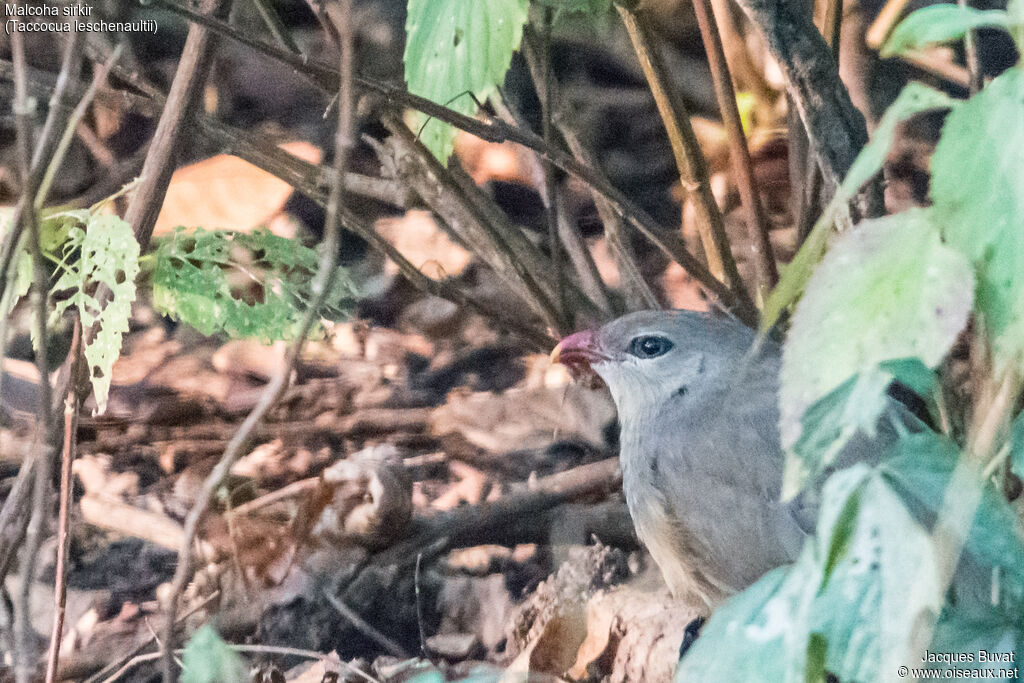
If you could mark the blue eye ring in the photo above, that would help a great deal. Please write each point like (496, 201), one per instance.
(649, 346)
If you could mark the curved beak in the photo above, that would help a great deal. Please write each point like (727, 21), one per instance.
(578, 351)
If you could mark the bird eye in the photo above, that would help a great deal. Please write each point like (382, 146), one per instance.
(649, 346)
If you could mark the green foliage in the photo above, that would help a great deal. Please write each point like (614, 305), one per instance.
(456, 50)
(192, 283)
(851, 598)
(1016, 446)
(913, 100)
(102, 255)
(887, 290)
(922, 468)
(886, 303)
(977, 189)
(849, 411)
(208, 659)
(939, 24)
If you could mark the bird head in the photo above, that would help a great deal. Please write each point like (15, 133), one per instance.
(646, 358)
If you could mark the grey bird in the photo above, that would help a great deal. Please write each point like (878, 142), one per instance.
(699, 446)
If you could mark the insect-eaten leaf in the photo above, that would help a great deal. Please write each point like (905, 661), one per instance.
(192, 282)
(104, 254)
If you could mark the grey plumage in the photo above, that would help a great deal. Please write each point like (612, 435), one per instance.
(701, 459)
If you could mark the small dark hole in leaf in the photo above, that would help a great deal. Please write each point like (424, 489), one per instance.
(458, 37)
(119, 277)
(97, 372)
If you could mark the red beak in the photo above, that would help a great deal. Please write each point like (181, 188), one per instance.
(577, 352)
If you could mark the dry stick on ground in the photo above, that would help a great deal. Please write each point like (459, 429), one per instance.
(690, 161)
(24, 659)
(742, 167)
(79, 669)
(638, 292)
(366, 628)
(326, 272)
(474, 524)
(58, 112)
(495, 130)
(72, 404)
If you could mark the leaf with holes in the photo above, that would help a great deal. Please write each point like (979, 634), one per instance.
(103, 255)
(193, 282)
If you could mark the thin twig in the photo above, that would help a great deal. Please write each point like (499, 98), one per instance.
(72, 405)
(550, 195)
(495, 130)
(77, 115)
(638, 292)
(419, 605)
(326, 272)
(810, 198)
(971, 54)
(58, 111)
(257, 649)
(690, 161)
(24, 666)
(757, 220)
(186, 89)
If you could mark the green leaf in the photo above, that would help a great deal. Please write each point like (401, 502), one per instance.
(886, 582)
(1017, 446)
(457, 47)
(191, 283)
(890, 289)
(208, 659)
(921, 468)
(977, 187)
(957, 633)
(104, 253)
(913, 374)
(860, 616)
(914, 99)
(939, 24)
(744, 640)
(829, 425)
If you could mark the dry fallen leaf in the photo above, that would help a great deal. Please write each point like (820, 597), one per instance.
(225, 192)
